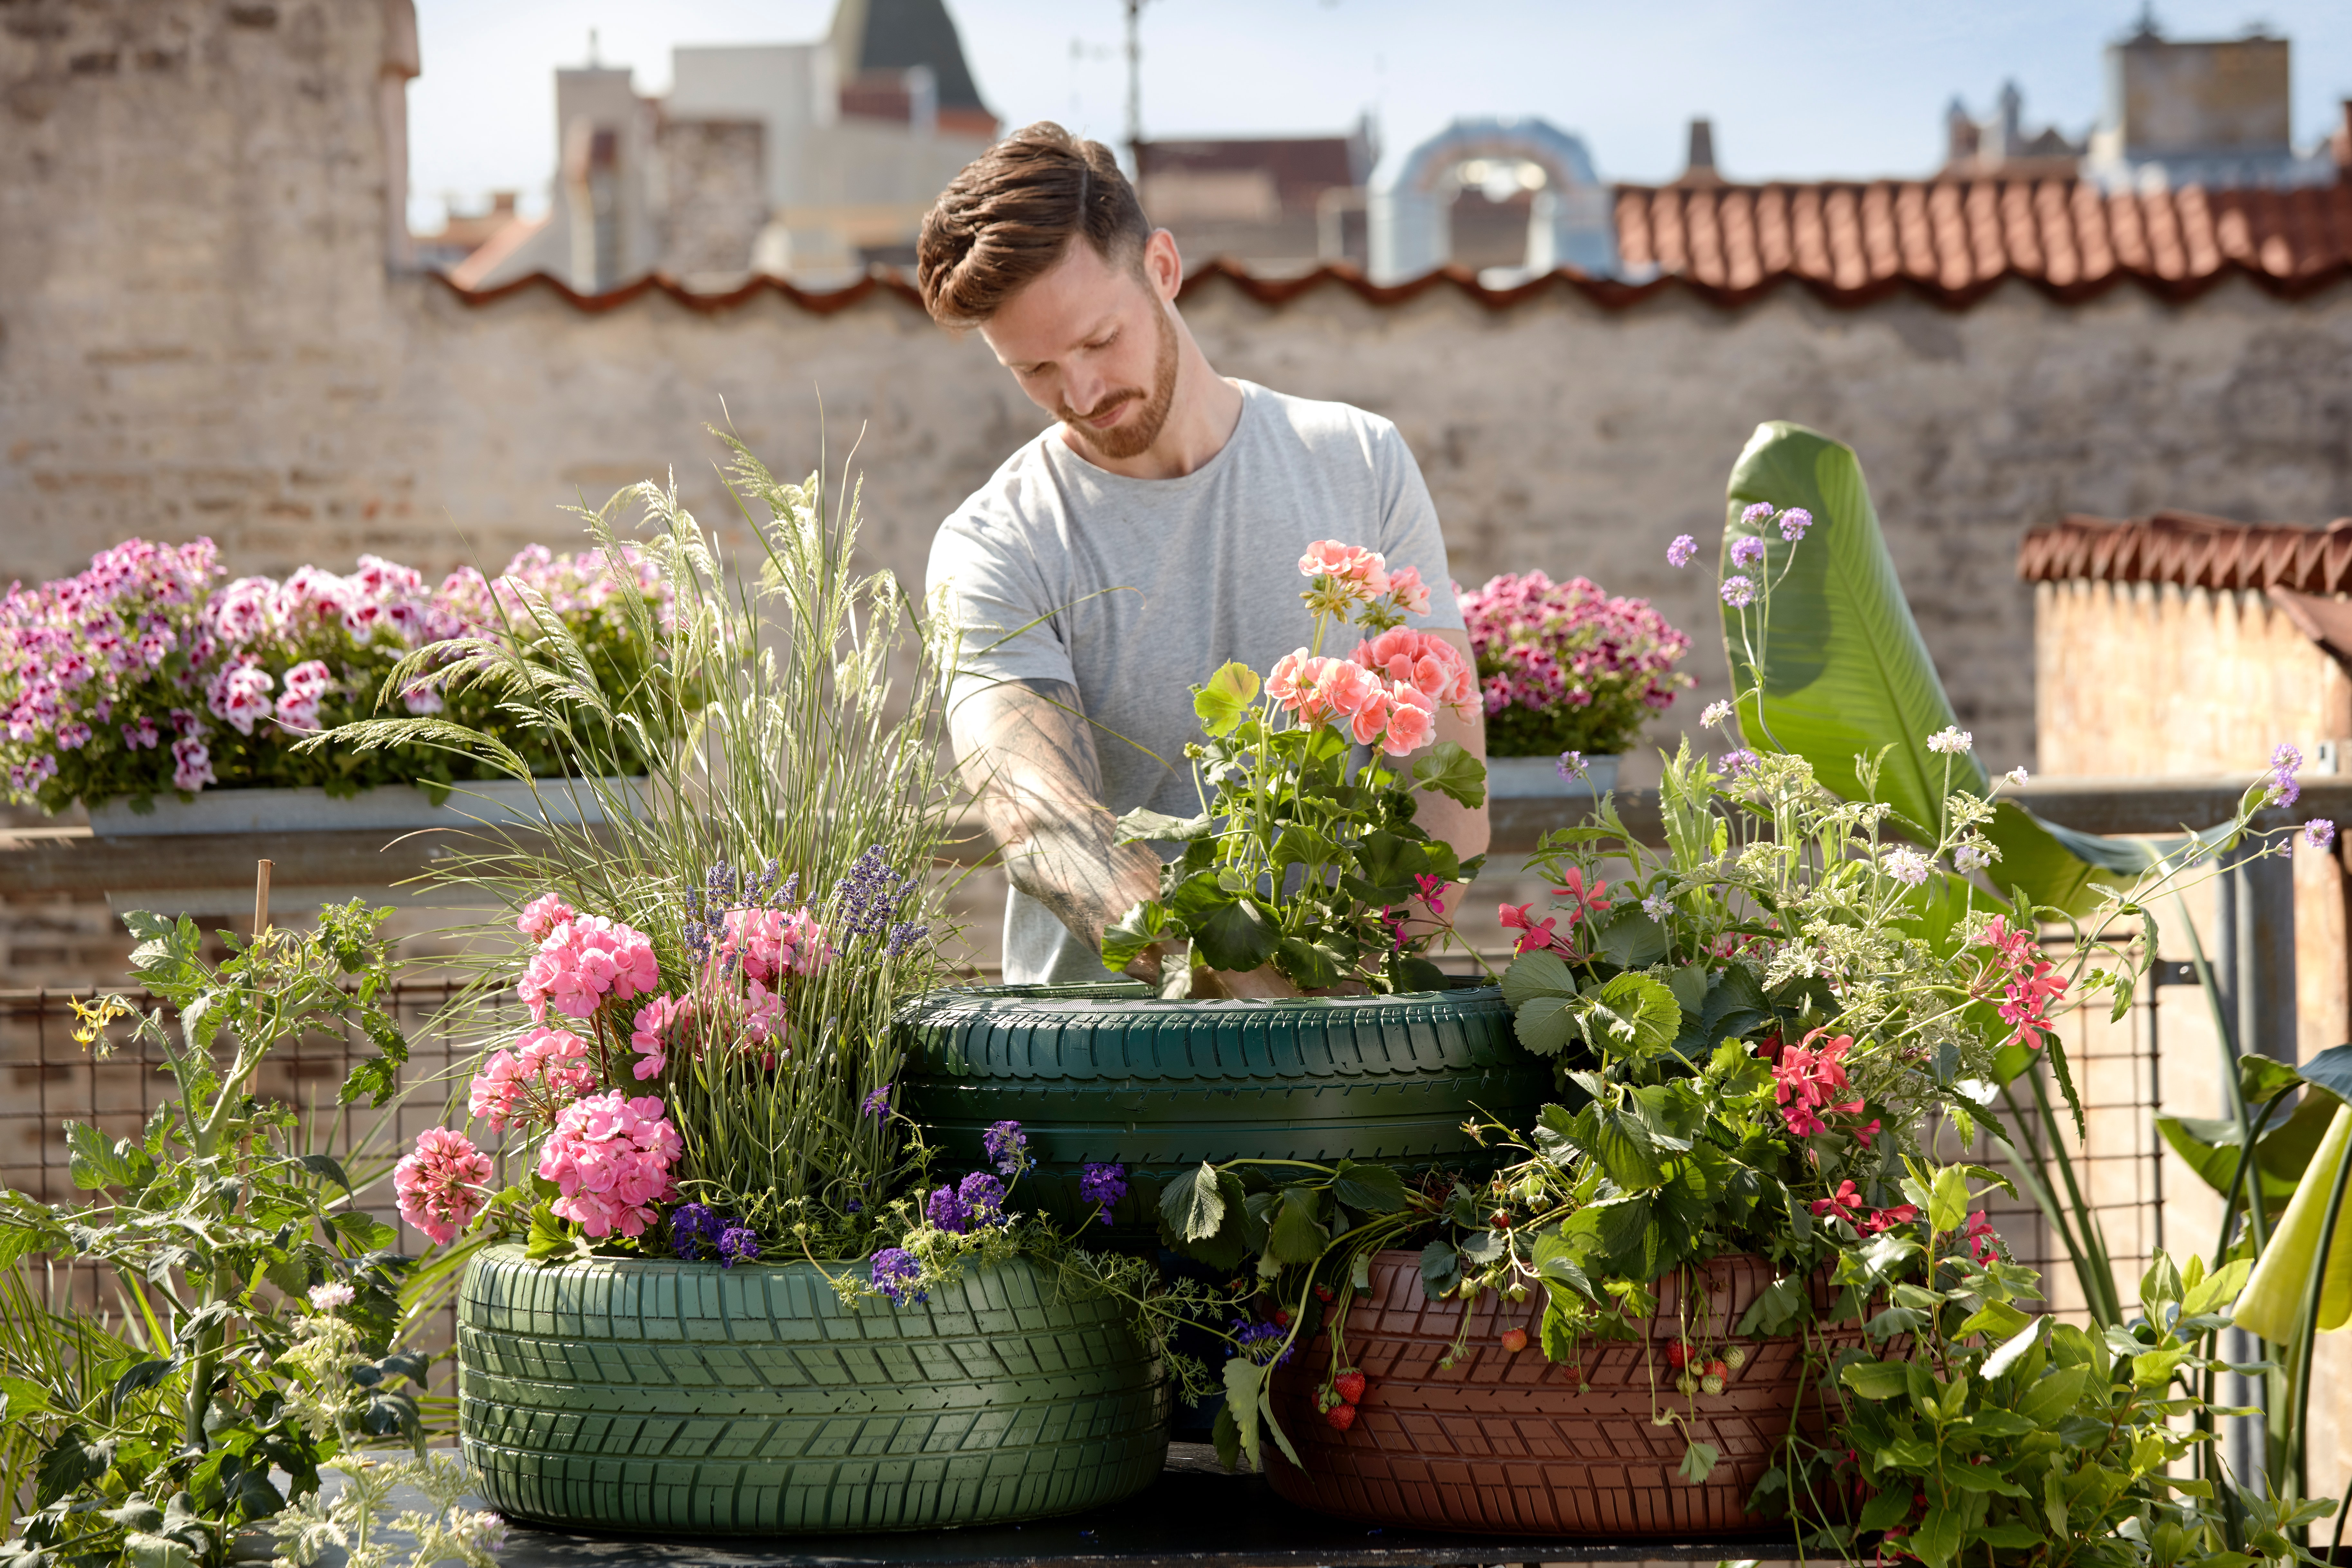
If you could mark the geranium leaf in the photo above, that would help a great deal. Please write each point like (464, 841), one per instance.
(1451, 770)
(1125, 939)
(1237, 937)
(1225, 701)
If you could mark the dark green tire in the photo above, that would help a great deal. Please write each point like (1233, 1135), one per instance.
(645, 1394)
(1103, 1074)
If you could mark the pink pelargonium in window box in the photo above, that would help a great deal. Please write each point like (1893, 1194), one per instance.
(1567, 666)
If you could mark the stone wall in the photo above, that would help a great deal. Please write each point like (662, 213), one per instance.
(198, 333)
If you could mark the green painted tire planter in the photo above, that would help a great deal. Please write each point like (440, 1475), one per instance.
(1112, 1074)
(649, 1395)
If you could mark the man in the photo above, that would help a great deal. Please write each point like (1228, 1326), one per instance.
(1127, 551)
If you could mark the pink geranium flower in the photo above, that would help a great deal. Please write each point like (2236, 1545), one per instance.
(1411, 724)
(610, 1159)
(1366, 569)
(442, 1183)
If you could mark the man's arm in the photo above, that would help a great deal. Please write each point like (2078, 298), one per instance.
(1028, 754)
(1442, 817)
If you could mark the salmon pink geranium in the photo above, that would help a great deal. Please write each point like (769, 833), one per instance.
(1313, 759)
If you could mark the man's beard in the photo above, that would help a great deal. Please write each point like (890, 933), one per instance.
(1132, 437)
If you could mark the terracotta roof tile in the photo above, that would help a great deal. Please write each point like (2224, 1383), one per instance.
(1948, 241)
(2191, 551)
(1957, 236)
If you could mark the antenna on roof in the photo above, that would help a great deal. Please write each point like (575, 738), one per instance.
(1135, 85)
(592, 62)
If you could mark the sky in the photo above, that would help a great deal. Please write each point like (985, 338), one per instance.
(1797, 88)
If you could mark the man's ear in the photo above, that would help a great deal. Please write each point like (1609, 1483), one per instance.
(1163, 267)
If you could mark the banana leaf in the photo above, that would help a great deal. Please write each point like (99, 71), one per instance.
(1842, 670)
(2282, 1153)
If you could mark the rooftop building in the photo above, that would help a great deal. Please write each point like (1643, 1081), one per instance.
(811, 161)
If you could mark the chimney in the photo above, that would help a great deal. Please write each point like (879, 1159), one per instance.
(1702, 145)
(1700, 169)
(2340, 144)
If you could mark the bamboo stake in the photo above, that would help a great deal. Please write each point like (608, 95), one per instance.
(260, 897)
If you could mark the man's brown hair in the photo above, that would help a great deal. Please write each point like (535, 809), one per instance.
(1011, 214)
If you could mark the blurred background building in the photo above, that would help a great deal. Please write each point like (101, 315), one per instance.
(811, 161)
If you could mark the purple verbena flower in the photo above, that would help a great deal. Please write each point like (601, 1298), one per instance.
(1793, 523)
(1738, 592)
(1739, 761)
(947, 1211)
(894, 1273)
(1571, 765)
(982, 1197)
(1257, 1342)
(2319, 833)
(1747, 552)
(1103, 1185)
(691, 1226)
(1756, 513)
(1008, 1146)
(1683, 551)
(738, 1243)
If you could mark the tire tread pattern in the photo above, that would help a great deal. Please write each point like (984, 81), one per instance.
(1158, 1087)
(652, 1395)
(1511, 1443)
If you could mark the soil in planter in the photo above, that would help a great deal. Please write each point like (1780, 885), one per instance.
(1508, 1443)
(1113, 1075)
(655, 1396)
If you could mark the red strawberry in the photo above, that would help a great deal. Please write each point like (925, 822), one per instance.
(1341, 1417)
(1502, 1219)
(1678, 1355)
(1515, 1339)
(1351, 1385)
(1323, 1292)
(1719, 1369)
(1282, 1317)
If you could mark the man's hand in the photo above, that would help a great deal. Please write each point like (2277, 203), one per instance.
(1028, 755)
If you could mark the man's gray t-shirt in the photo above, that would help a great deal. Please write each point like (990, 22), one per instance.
(1138, 589)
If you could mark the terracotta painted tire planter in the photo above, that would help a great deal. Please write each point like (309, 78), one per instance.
(1508, 1444)
(1112, 1074)
(648, 1395)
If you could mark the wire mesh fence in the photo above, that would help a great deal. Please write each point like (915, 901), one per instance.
(50, 1079)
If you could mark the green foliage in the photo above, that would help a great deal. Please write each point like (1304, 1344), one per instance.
(1975, 1432)
(152, 1434)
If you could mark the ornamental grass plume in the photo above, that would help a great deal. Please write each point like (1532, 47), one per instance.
(749, 1009)
(1566, 667)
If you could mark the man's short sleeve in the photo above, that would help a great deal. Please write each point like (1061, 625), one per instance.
(1410, 532)
(998, 603)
